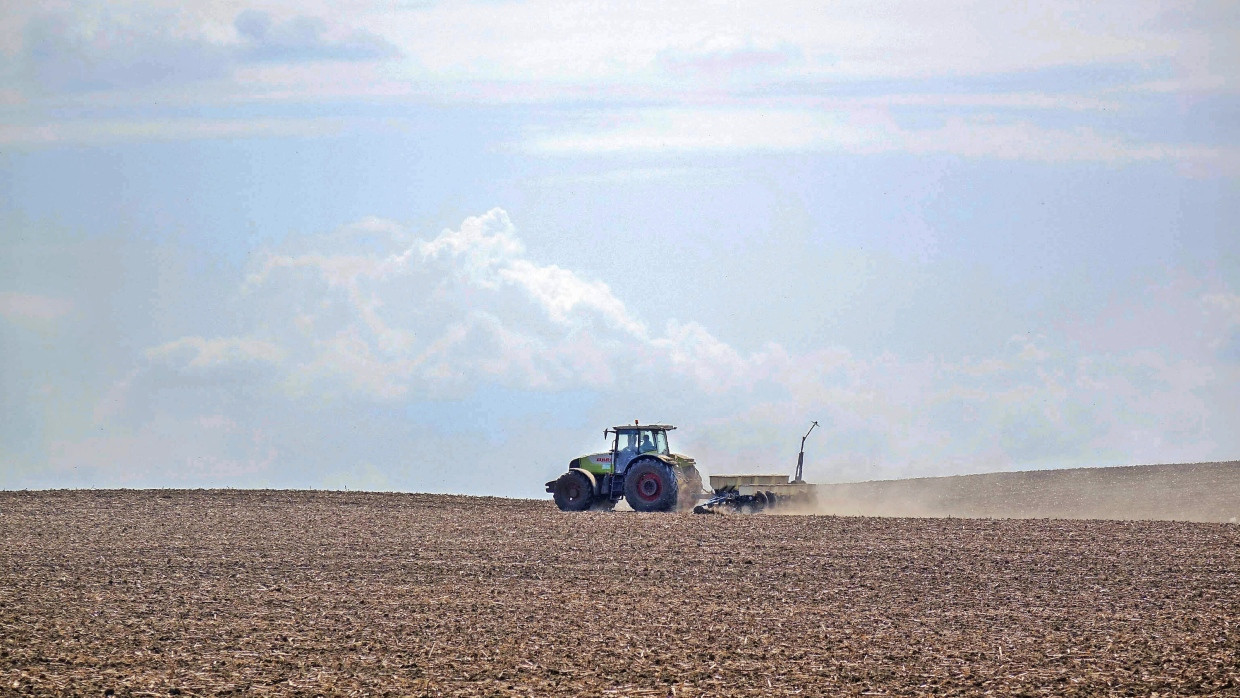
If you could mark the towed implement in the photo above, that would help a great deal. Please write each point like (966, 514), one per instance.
(750, 494)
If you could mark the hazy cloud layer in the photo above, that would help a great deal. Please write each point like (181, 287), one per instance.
(62, 52)
(30, 307)
(346, 333)
(1119, 83)
(872, 131)
(304, 39)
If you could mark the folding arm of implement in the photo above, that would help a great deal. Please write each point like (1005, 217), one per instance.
(801, 455)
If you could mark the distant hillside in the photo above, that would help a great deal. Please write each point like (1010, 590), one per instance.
(1185, 492)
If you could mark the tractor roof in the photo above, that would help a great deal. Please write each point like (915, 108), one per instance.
(637, 427)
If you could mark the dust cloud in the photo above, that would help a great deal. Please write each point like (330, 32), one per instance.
(1205, 492)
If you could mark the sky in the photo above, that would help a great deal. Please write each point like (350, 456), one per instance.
(441, 246)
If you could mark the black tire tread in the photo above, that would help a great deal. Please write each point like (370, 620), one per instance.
(668, 497)
(562, 486)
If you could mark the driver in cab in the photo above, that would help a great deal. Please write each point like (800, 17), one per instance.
(647, 445)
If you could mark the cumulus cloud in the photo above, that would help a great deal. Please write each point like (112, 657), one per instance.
(445, 317)
(564, 294)
(466, 305)
(482, 245)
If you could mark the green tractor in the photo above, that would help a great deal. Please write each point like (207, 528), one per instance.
(639, 468)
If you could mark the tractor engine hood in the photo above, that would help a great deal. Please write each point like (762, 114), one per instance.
(597, 463)
(675, 460)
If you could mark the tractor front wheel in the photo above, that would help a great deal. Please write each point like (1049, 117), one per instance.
(573, 492)
(650, 486)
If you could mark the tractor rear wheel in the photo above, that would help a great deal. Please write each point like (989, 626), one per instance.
(650, 485)
(573, 492)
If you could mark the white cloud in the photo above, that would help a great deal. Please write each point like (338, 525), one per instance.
(27, 306)
(662, 130)
(200, 353)
(730, 55)
(1030, 348)
(93, 131)
(481, 246)
(714, 366)
(444, 313)
(564, 293)
(1226, 305)
(620, 42)
(347, 355)
(866, 131)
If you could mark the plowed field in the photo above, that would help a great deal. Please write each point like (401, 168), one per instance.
(304, 593)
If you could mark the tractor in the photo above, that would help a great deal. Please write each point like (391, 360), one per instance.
(639, 468)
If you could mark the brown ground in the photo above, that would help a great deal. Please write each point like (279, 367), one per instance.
(303, 593)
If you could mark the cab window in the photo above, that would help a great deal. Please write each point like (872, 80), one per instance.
(645, 441)
(652, 441)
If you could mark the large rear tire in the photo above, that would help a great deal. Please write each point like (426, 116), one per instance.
(650, 485)
(573, 492)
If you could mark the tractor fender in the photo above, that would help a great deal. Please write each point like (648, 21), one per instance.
(687, 475)
(666, 460)
(657, 457)
(589, 476)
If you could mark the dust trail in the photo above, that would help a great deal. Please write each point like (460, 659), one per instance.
(1207, 492)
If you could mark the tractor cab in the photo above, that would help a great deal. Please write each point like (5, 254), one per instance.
(630, 442)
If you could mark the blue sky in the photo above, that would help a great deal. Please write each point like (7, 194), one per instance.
(441, 246)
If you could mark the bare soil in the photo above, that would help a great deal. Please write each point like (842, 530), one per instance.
(313, 593)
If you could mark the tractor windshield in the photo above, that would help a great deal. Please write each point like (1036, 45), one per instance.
(660, 442)
(652, 441)
(636, 441)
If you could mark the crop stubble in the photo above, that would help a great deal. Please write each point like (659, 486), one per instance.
(303, 593)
